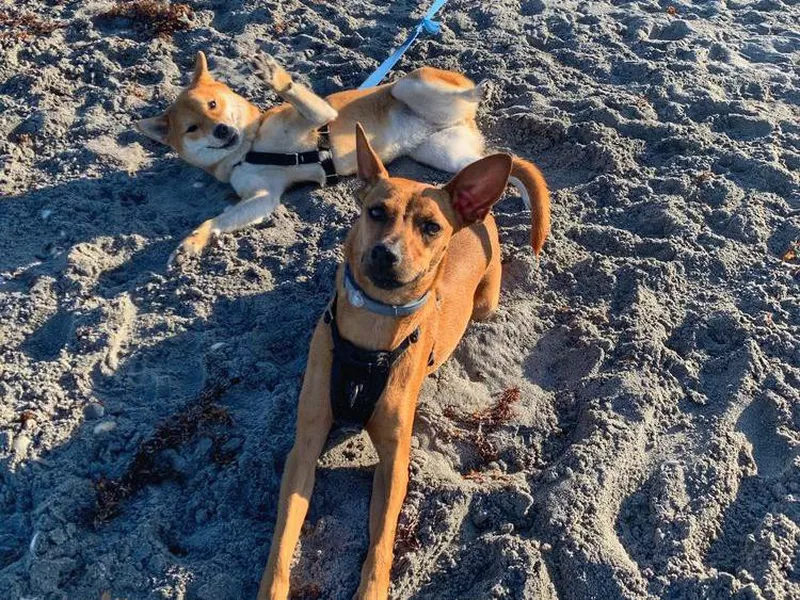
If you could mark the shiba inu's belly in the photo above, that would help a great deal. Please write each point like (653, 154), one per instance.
(395, 132)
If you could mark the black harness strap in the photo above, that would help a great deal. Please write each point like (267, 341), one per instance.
(359, 376)
(282, 160)
(294, 159)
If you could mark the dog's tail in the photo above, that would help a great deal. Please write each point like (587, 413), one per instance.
(529, 181)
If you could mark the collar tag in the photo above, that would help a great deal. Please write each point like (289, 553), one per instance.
(355, 297)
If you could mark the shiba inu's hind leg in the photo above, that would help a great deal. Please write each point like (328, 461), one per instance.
(311, 107)
(439, 97)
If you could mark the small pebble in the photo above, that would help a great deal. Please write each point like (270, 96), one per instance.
(104, 427)
(6, 441)
(94, 410)
(232, 445)
(21, 444)
(480, 517)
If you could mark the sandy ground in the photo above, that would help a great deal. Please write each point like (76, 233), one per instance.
(653, 451)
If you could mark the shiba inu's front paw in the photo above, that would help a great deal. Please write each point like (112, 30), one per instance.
(270, 72)
(193, 245)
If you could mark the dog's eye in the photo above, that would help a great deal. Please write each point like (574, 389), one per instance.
(431, 228)
(212, 105)
(377, 213)
(191, 128)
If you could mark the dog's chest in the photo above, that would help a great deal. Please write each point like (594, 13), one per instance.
(251, 180)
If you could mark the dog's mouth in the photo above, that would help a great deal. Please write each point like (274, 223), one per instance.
(387, 281)
(229, 144)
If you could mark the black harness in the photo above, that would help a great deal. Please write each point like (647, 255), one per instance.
(359, 376)
(321, 156)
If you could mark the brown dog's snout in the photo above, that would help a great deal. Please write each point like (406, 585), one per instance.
(383, 266)
(222, 131)
(384, 257)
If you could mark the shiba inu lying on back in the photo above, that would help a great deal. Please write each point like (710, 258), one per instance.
(428, 115)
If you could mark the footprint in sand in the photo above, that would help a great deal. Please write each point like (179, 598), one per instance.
(47, 342)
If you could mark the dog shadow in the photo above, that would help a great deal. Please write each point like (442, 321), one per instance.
(164, 202)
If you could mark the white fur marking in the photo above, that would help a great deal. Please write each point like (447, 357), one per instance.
(32, 545)
(522, 191)
(205, 151)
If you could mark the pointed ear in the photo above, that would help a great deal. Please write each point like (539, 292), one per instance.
(156, 128)
(370, 167)
(478, 186)
(200, 68)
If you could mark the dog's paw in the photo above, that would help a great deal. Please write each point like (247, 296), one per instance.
(270, 72)
(191, 246)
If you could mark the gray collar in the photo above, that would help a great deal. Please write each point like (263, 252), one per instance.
(359, 298)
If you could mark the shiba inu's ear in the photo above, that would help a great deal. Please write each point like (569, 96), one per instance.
(478, 186)
(370, 167)
(155, 128)
(200, 68)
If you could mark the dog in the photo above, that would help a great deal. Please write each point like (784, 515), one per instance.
(428, 115)
(420, 262)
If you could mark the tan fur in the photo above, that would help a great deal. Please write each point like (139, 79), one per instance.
(432, 75)
(461, 267)
(428, 115)
(533, 180)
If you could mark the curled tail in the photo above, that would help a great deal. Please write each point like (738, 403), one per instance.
(530, 183)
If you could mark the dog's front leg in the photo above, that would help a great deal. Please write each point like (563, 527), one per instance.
(390, 484)
(314, 418)
(311, 107)
(247, 212)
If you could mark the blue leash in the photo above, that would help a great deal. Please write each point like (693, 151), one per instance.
(427, 23)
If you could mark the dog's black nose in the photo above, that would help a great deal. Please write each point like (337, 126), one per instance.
(222, 131)
(383, 257)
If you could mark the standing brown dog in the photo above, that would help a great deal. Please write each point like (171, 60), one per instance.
(420, 262)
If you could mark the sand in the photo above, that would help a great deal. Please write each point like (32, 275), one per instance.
(653, 449)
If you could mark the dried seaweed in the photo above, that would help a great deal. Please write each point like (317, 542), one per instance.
(792, 251)
(197, 418)
(159, 18)
(19, 25)
(485, 422)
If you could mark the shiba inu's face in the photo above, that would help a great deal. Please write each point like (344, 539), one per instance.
(206, 123)
(405, 226)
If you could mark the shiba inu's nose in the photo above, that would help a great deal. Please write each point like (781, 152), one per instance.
(222, 131)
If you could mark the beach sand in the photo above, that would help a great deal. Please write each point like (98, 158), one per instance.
(653, 447)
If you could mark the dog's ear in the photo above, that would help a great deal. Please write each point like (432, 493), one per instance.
(200, 68)
(156, 128)
(478, 186)
(370, 167)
